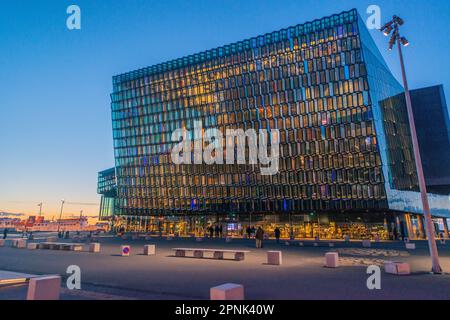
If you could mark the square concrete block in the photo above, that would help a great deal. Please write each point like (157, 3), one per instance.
(125, 251)
(20, 243)
(274, 258)
(332, 260)
(149, 249)
(44, 288)
(94, 247)
(228, 291)
(218, 255)
(411, 246)
(366, 244)
(32, 246)
(398, 268)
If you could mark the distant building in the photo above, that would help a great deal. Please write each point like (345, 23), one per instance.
(433, 131)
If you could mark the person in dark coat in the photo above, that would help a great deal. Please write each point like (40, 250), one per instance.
(249, 232)
(217, 229)
(5, 233)
(221, 231)
(211, 232)
(277, 234)
(259, 236)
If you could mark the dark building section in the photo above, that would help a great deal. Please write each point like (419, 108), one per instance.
(107, 188)
(433, 131)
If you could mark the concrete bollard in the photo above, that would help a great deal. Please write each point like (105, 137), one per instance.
(44, 288)
(274, 258)
(94, 247)
(228, 291)
(125, 251)
(332, 260)
(32, 246)
(410, 246)
(149, 250)
(19, 243)
(397, 268)
(366, 244)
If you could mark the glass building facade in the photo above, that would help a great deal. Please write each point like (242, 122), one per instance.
(344, 144)
(107, 188)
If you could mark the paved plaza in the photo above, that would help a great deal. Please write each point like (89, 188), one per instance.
(302, 276)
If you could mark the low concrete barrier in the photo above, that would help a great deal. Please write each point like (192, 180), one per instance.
(94, 247)
(228, 291)
(274, 258)
(44, 288)
(32, 246)
(19, 244)
(332, 260)
(149, 249)
(397, 268)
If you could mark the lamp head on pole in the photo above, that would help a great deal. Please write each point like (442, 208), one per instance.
(392, 28)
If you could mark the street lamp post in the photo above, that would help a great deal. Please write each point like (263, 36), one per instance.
(40, 209)
(60, 213)
(393, 27)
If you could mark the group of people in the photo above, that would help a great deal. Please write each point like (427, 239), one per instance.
(217, 231)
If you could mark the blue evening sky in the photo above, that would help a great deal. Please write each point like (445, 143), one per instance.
(55, 123)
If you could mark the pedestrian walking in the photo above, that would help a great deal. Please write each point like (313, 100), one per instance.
(259, 236)
(277, 234)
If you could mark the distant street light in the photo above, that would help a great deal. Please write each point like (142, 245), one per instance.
(393, 27)
(60, 213)
(40, 209)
